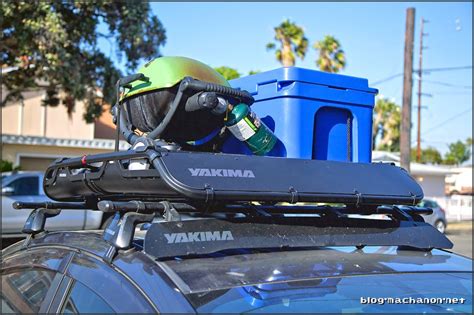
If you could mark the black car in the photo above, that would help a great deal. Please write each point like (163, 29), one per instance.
(80, 272)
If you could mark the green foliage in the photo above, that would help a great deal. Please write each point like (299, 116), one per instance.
(428, 156)
(292, 42)
(53, 46)
(228, 73)
(7, 166)
(459, 152)
(254, 72)
(331, 56)
(386, 126)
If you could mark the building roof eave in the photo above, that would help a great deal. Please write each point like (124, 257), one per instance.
(104, 144)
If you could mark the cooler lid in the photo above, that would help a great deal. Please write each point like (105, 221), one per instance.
(287, 75)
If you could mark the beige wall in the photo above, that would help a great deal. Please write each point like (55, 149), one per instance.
(104, 126)
(52, 122)
(432, 185)
(11, 119)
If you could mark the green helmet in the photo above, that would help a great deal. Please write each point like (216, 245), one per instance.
(165, 72)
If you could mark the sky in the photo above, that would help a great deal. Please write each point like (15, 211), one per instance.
(371, 34)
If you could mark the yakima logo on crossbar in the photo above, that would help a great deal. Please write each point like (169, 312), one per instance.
(221, 172)
(206, 236)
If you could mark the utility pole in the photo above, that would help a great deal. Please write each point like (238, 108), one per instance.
(405, 132)
(418, 134)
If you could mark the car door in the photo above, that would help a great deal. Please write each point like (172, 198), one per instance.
(21, 188)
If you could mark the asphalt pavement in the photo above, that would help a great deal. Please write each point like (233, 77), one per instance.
(460, 233)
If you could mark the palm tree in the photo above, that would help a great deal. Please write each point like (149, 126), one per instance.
(331, 56)
(386, 124)
(292, 41)
(228, 73)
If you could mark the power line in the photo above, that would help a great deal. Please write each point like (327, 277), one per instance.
(453, 93)
(394, 76)
(447, 84)
(446, 69)
(446, 121)
(387, 79)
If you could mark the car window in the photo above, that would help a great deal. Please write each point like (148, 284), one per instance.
(24, 291)
(83, 300)
(25, 186)
(426, 203)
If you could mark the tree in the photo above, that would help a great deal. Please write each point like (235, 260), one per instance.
(53, 45)
(428, 156)
(331, 56)
(459, 152)
(7, 166)
(228, 73)
(386, 125)
(254, 72)
(292, 43)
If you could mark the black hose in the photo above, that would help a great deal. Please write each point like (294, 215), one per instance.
(128, 134)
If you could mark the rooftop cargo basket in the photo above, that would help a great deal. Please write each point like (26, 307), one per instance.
(206, 177)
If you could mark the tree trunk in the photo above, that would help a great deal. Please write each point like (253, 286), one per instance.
(287, 58)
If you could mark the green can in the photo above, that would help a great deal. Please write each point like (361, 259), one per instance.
(247, 127)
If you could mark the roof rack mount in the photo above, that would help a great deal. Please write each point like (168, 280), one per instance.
(261, 227)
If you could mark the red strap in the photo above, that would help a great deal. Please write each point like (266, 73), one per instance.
(83, 160)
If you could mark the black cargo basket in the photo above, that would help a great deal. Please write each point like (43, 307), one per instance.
(209, 177)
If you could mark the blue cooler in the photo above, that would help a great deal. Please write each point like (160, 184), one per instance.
(316, 115)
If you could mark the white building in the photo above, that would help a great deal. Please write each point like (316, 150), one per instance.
(434, 179)
(430, 177)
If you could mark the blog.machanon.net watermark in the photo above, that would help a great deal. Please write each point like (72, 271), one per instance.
(411, 300)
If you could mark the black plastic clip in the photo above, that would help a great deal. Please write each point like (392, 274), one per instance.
(147, 144)
(209, 194)
(359, 198)
(414, 198)
(153, 154)
(140, 205)
(170, 213)
(294, 195)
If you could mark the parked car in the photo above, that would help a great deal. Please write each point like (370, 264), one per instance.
(438, 217)
(27, 187)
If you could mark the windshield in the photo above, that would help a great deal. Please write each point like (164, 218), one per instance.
(398, 293)
(244, 267)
